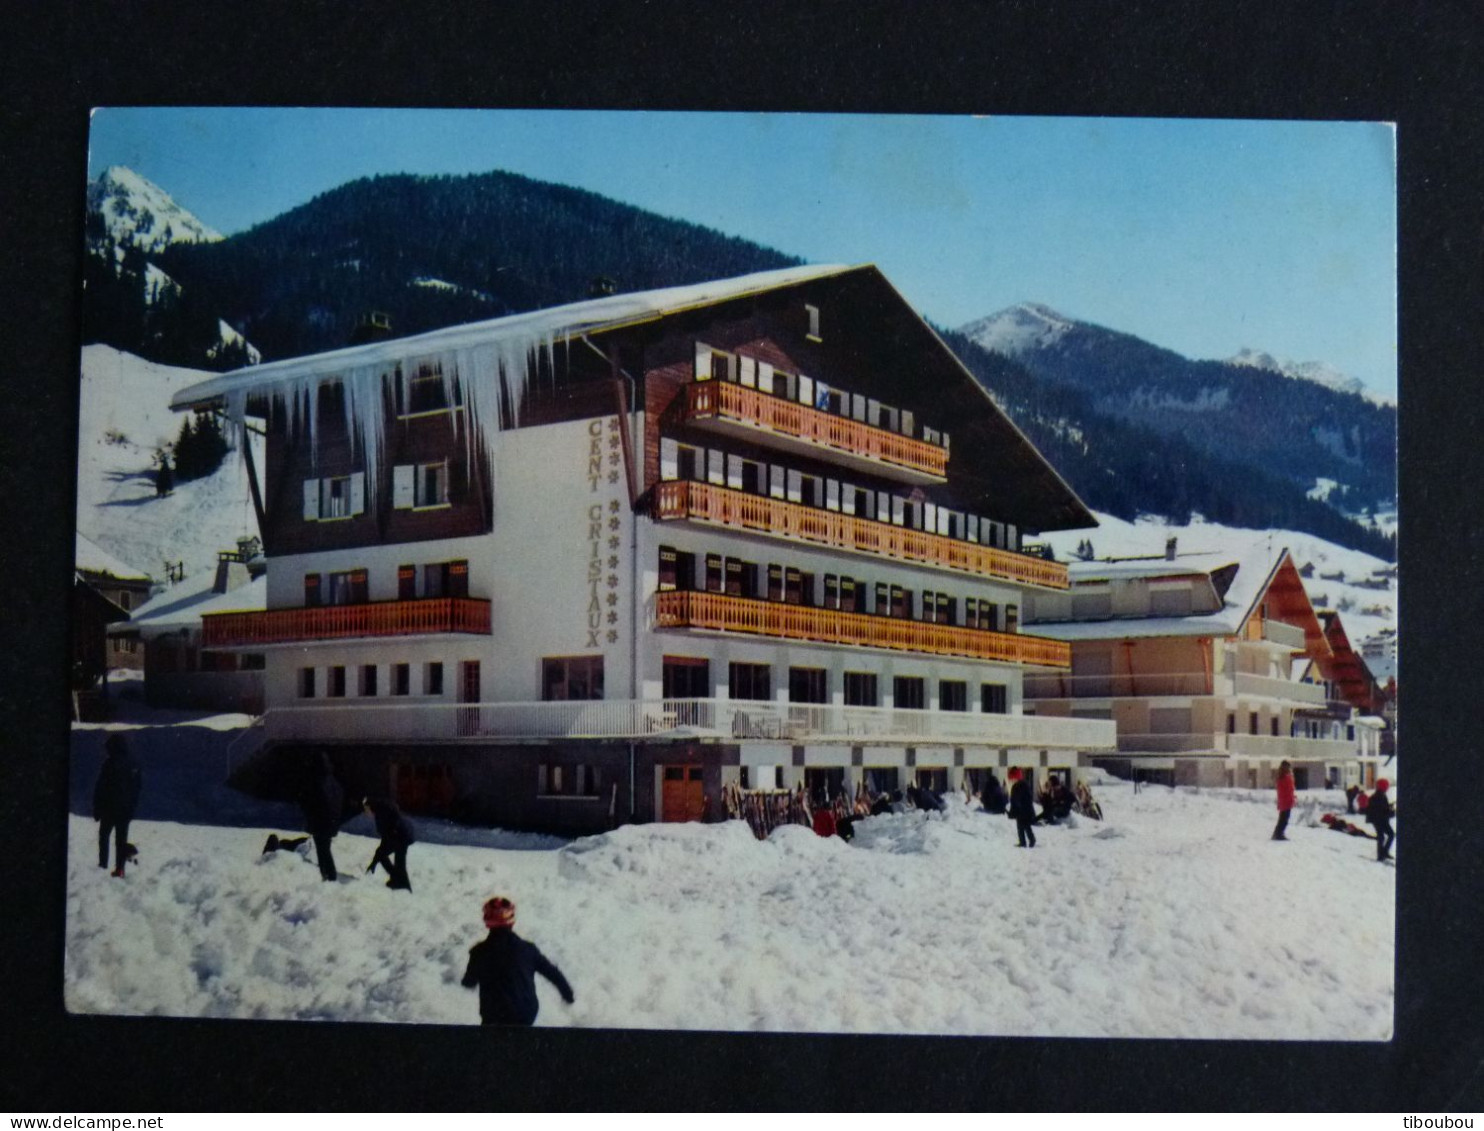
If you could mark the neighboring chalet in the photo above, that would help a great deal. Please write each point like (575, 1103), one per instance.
(1350, 680)
(596, 563)
(122, 584)
(1201, 661)
(178, 670)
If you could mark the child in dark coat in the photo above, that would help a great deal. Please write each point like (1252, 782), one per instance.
(504, 967)
(396, 835)
(1378, 814)
(1023, 809)
(115, 797)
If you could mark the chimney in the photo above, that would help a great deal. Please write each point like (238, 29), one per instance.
(1170, 549)
(374, 326)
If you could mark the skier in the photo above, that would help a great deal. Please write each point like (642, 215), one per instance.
(321, 799)
(1378, 814)
(504, 967)
(1022, 809)
(396, 835)
(115, 797)
(1285, 799)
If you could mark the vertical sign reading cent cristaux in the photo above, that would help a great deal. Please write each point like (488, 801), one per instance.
(605, 480)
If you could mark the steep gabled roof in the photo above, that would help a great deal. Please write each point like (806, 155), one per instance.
(90, 557)
(184, 605)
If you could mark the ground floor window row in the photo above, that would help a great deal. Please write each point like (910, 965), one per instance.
(789, 585)
(336, 681)
(353, 586)
(777, 481)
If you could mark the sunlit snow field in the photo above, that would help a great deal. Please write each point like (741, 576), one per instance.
(1174, 917)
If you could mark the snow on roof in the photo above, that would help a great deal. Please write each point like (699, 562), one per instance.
(93, 558)
(1254, 570)
(527, 330)
(184, 605)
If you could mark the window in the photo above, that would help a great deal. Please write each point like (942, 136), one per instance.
(311, 590)
(687, 462)
(934, 778)
(1231, 724)
(741, 578)
(993, 699)
(368, 680)
(349, 588)
(713, 573)
(768, 777)
(831, 591)
(901, 602)
(981, 614)
(306, 683)
(909, 692)
(433, 678)
(852, 595)
(335, 685)
(1012, 618)
(406, 582)
(860, 689)
(775, 583)
(686, 677)
(750, 681)
(254, 662)
(420, 485)
(812, 314)
(1274, 727)
(426, 392)
(1252, 723)
(334, 498)
(446, 579)
(401, 679)
(677, 569)
(572, 677)
(569, 781)
(794, 590)
(808, 685)
(882, 779)
(824, 783)
(953, 695)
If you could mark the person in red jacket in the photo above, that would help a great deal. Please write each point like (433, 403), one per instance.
(1285, 799)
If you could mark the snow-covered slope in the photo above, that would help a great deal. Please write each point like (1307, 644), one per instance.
(138, 212)
(123, 417)
(1351, 581)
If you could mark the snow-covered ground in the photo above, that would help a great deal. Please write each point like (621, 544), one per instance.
(1177, 916)
(124, 416)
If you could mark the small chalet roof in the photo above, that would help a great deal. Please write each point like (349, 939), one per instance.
(93, 558)
(549, 324)
(185, 604)
(1256, 570)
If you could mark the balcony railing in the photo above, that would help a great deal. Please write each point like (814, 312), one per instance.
(1240, 745)
(731, 721)
(722, 400)
(1124, 685)
(706, 502)
(338, 622)
(1288, 635)
(722, 613)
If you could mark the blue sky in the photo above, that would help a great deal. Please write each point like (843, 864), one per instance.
(1201, 236)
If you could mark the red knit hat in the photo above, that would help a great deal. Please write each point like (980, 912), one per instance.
(1014, 774)
(499, 913)
(1383, 785)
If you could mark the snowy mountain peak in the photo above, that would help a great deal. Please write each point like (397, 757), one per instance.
(1315, 371)
(1018, 329)
(137, 212)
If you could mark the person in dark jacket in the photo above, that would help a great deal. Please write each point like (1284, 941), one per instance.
(115, 797)
(992, 796)
(322, 799)
(1350, 791)
(1285, 799)
(1022, 809)
(1378, 814)
(504, 967)
(396, 835)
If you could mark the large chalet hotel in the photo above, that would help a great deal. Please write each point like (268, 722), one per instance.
(597, 563)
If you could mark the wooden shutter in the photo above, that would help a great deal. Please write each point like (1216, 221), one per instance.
(703, 362)
(795, 486)
(749, 372)
(734, 472)
(716, 467)
(404, 479)
(358, 493)
(311, 498)
(669, 458)
(806, 390)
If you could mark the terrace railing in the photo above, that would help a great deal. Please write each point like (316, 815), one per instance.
(426, 616)
(706, 502)
(722, 613)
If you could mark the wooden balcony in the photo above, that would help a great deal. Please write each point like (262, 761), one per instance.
(719, 612)
(705, 502)
(775, 422)
(425, 617)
